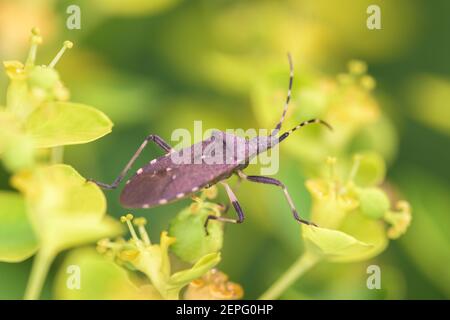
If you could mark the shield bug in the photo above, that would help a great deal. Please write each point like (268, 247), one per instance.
(167, 179)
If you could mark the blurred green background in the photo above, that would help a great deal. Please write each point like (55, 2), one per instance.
(154, 66)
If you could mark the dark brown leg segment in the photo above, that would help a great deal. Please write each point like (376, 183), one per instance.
(268, 180)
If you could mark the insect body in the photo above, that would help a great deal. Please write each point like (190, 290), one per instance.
(179, 174)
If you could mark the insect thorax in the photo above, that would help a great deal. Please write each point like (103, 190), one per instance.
(236, 149)
(223, 148)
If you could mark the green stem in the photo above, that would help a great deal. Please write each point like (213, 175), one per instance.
(302, 265)
(57, 155)
(41, 265)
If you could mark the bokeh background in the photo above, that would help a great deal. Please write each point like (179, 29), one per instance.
(154, 66)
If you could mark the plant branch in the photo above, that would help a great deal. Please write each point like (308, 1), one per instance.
(57, 155)
(302, 265)
(41, 265)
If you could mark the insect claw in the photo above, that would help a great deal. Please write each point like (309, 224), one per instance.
(308, 223)
(206, 224)
(206, 228)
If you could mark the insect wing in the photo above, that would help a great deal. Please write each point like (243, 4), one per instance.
(147, 190)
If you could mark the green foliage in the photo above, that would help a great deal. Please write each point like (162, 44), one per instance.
(101, 279)
(56, 209)
(38, 114)
(349, 216)
(17, 238)
(63, 123)
(63, 209)
(332, 244)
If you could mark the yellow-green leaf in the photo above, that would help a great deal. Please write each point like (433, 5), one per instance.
(367, 230)
(332, 244)
(17, 239)
(63, 123)
(99, 278)
(204, 264)
(64, 209)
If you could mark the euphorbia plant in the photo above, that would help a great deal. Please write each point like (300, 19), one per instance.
(56, 208)
(38, 118)
(354, 215)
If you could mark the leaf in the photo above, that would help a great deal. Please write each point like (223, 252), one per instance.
(367, 230)
(204, 264)
(67, 233)
(100, 279)
(17, 239)
(64, 123)
(332, 244)
(64, 209)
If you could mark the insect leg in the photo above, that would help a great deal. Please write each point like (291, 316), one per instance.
(236, 206)
(156, 139)
(268, 180)
(235, 187)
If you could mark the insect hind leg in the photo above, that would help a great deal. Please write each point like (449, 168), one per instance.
(152, 137)
(268, 180)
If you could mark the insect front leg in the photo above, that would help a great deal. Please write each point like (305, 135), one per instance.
(156, 139)
(268, 180)
(236, 206)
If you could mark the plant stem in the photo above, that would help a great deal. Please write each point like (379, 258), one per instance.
(41, 265)
(57, 155)
(302, 265)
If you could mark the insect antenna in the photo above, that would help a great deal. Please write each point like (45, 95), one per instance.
(288, 97)
(304, 123)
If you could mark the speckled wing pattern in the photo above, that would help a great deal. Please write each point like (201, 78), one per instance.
(162, 181)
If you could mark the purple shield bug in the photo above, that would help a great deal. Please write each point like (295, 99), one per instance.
(167, 179)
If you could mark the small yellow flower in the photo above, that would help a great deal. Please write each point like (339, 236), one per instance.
(399, 220)
(138, 253)
(351, 213)
(214, 285)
